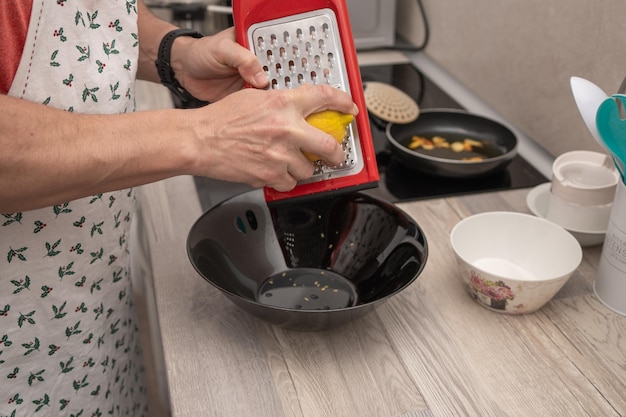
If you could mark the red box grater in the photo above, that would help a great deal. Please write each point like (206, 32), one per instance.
(310, 41)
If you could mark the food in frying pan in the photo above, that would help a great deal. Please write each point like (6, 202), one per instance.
(463, 149)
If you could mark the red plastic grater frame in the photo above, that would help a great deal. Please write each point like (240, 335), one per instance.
(249, 12)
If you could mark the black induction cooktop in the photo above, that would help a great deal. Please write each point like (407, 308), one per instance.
(399, 183)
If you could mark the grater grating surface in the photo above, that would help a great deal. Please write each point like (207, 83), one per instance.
(301, 49)
(310, 42)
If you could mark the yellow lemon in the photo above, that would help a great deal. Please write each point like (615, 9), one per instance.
(332, 122)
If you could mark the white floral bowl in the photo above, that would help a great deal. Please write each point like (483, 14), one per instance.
(513, 263)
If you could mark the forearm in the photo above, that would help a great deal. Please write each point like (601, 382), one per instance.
(49, 156)
(151, 31)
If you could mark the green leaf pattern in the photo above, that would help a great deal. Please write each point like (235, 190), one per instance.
(68, 333)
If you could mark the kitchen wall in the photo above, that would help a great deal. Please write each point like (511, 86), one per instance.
(518, 56)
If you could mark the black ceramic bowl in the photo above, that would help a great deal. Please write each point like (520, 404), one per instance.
(307, 266)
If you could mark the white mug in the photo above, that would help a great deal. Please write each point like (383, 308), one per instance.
(610, 285)
(578, 217)
(582, 191)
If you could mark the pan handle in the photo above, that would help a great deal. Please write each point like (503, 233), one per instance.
(379, 123)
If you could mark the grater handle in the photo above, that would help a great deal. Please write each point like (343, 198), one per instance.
(248, 12)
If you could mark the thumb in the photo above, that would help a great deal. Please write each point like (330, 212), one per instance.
(249, 67)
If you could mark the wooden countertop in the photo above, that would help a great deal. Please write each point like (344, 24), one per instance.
(429, 351)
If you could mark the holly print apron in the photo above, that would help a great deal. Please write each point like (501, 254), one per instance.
(68, 332)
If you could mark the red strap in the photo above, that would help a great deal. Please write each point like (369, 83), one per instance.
(14, 20)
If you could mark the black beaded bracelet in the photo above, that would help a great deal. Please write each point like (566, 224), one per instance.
(166, 74)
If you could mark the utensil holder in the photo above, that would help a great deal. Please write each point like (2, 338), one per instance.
(610, 285)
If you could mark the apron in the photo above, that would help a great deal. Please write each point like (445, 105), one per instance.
(68, 330)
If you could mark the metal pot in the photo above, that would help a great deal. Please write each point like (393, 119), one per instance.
(453, 125)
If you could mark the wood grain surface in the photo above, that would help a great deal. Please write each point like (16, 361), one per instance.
(429, 351)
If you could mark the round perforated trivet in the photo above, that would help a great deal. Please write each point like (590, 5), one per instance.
(389, 103)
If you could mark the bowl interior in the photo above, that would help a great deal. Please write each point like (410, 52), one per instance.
(323, 254)
(516, 246)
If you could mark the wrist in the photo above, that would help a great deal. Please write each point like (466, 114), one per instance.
(166, 64)
(178, 53)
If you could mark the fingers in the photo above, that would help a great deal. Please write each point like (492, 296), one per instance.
(246, 63)
(323, 146)
(298, 169)
(302, 136)
(249, 67)
(283, 184)
(284, 173)
(312, 99)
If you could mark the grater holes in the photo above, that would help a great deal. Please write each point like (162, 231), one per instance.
(326, 30)
(314, 58)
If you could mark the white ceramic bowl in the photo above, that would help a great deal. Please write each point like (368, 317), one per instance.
(513, 263)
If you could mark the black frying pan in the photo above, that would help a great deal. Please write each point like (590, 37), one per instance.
(500, 144)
